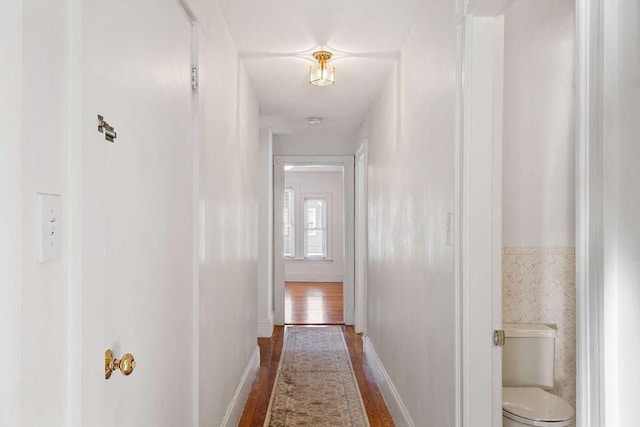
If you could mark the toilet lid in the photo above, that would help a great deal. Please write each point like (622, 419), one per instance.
(535, 404)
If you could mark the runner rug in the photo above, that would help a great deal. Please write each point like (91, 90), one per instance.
(315, 385)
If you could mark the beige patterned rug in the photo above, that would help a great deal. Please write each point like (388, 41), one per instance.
(315, 385)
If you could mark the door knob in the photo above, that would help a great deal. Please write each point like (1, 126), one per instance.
(126, 364)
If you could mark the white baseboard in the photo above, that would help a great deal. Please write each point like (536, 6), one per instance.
(313, 277)
(265, 328)
(391, 396)
(239, 399)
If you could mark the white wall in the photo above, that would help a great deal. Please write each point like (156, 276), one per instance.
(410, 132)
(314, 183)
(621, 222)
(265, 236)
(33, 133)
(291, 145)
(10, 207)
(539, 147)
(44, 169)
(229, 197)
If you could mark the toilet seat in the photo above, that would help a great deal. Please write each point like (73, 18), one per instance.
(533, 423)
(535, 407)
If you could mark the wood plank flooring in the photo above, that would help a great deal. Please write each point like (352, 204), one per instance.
(255, 410)
(312, 303)
(374, 404)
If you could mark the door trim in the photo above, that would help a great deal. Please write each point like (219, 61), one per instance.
(198, 218)
(75, 317)
(349, 242)
(361, 242)
(590, 393)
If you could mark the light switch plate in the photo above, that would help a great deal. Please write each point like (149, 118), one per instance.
(49, 223)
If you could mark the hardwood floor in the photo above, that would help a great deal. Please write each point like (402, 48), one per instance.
(311, 303)
(377, 410)
(255, 410)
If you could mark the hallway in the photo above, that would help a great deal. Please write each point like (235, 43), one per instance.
(149, 227)
(140, 149)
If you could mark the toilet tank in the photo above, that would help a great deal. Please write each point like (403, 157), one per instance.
(528, 355)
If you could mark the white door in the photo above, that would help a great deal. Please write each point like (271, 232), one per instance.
(479, 257)
(137, 212)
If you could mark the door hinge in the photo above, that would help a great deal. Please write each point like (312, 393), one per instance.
(194, 79)
(498, 338)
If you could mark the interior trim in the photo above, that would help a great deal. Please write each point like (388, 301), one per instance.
(392, 398)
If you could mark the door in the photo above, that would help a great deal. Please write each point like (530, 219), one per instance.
(479, 212)
(137, 212)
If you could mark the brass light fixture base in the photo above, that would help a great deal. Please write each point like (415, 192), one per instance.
(322, 56)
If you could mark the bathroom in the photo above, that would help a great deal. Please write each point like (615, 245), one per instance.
(538, 228)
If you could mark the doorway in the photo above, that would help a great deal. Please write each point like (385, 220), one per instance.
(313, 215)
(513, 231)
(313, 240)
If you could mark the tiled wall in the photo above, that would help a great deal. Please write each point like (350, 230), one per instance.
(539, 286)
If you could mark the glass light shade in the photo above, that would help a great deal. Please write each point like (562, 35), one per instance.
(322, 74)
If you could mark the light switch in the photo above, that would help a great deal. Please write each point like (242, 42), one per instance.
(49, 241)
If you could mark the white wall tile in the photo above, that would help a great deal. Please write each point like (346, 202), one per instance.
(539, 286)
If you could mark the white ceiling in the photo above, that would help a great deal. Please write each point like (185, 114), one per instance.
(276, 40)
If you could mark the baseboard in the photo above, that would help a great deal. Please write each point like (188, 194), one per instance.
(265, 328)
(313, 277)
(239, 399)
(391, 396)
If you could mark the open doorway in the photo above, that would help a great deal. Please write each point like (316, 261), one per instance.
(313, 233)
(313, 240)
(515, 238)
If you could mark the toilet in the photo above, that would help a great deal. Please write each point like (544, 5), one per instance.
(528, 361)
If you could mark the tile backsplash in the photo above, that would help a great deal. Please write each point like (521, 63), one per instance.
(539, 286)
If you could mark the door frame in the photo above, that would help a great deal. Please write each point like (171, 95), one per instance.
(361, 239)
(348, 228)
(590, 370)
(198, 212)
(589, 251)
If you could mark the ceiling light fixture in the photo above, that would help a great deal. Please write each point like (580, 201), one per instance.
(314, 120)
(322, 74)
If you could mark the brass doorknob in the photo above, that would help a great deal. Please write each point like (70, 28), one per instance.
(126, 364)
